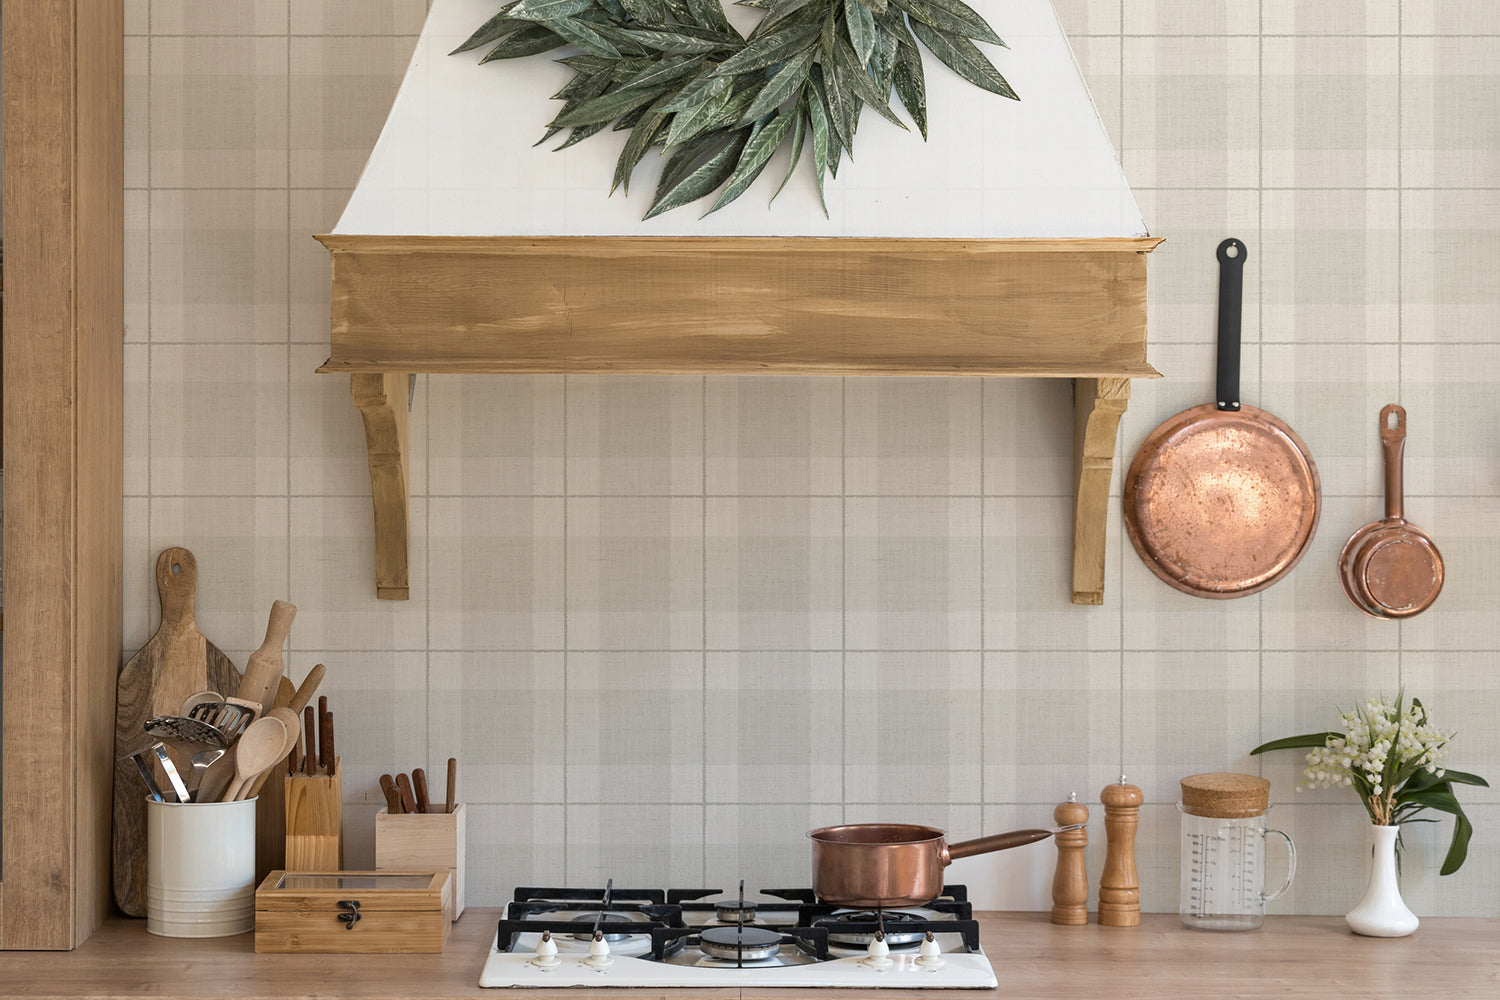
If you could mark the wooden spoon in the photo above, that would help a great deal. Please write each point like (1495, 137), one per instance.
(261, 745)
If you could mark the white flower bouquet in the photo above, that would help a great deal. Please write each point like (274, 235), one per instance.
(1393, 758)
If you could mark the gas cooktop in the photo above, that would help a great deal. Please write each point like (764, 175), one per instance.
(566, 937)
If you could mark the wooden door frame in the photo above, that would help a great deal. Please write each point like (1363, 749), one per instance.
(61, 98)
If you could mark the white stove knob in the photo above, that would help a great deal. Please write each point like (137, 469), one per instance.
(880, 954)
(599, 956)
(930, 954)
(546, 953)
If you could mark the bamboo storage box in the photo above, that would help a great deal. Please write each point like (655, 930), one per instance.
(353, 912)
(423, 842)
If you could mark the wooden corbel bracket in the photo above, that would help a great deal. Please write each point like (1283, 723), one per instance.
(383, 401)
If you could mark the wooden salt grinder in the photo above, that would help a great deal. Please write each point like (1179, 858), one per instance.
(1119, 886)
(1070, 882)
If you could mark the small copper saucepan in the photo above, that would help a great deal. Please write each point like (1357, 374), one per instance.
(893, 864)
(1391, 568)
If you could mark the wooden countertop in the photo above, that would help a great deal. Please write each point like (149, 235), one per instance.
(1288, 957)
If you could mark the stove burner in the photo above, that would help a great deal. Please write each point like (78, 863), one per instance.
(895, 937)
(589, 916)
(748, 944)
(732, 911)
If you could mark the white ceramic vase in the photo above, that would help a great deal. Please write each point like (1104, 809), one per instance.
(1382, 912)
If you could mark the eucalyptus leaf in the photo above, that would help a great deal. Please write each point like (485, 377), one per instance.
(952, 16)
(883, 61)
(757, 4)
(860, 23)
(757, 153)
(549, 10)
(911, 85)
(838, 101)
(651, 126)
(848, 69)
(961, 56)
(798, 135)
(686, 157)
(818, 119)
(646, 11)
(527, 42)
(614, 8)
(494, 29)
(583, 35)
(588, 64)
(672, 41)
(605, 108)
(709, 14)
(781, 86)
(582, 87)
(713, 172)
(834, 108)
(698, 90)
(581, 133)
(663, 71)
(768, 50)
(776, 13)
(875, 6)
(694, 121)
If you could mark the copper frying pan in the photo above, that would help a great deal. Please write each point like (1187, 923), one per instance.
(1390, 568)
(1222, 500)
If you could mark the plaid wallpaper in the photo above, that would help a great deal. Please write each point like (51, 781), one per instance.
(667, 625)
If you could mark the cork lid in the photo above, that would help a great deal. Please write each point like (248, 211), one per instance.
(1225, 796)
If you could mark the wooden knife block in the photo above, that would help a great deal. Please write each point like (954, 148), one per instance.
(315, 820)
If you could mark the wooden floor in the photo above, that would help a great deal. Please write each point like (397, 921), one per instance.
(1289, 957)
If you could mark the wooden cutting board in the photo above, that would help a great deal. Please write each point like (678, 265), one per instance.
(176, 662)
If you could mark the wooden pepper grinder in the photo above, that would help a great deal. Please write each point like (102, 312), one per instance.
(1119, 886)
(1070, 882)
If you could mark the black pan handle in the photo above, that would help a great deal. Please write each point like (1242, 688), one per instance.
(1231, 255)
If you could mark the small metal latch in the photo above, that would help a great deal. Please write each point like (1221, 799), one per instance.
(350, 915)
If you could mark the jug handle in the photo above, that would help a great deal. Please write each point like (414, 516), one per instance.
(1291, 866)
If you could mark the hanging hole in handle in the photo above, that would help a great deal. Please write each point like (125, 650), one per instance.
(1291, 867)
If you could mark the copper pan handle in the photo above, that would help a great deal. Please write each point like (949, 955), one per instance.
(1393, 444)
(994, 842)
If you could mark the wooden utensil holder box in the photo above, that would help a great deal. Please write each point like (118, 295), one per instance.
(315, 820)
(353, 912)
(423, 841)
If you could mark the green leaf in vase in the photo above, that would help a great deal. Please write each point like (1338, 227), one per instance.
(860, 23)
(549, 10)
(527, 42)
(703, 179)
(961, 56)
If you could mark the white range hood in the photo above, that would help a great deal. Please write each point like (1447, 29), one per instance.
(456, 156)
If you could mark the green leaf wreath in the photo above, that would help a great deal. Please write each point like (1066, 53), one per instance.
(676, 74)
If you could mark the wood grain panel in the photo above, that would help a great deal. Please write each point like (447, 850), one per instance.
(63, 208)
(744, 305)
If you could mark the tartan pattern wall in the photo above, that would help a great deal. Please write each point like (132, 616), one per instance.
(669, 624)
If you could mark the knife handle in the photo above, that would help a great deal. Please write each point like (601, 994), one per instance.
(408, 801)
(419, 788)
(452, 783)
(392, 795)
(310, 729)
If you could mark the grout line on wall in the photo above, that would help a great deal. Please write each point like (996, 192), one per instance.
(567, 455)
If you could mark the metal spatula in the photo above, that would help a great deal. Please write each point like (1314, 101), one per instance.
(229, 717)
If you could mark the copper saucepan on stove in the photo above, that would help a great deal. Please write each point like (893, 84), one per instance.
(893, 864)
(1390, 568)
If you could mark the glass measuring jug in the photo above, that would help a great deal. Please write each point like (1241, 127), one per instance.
(1223, 866)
